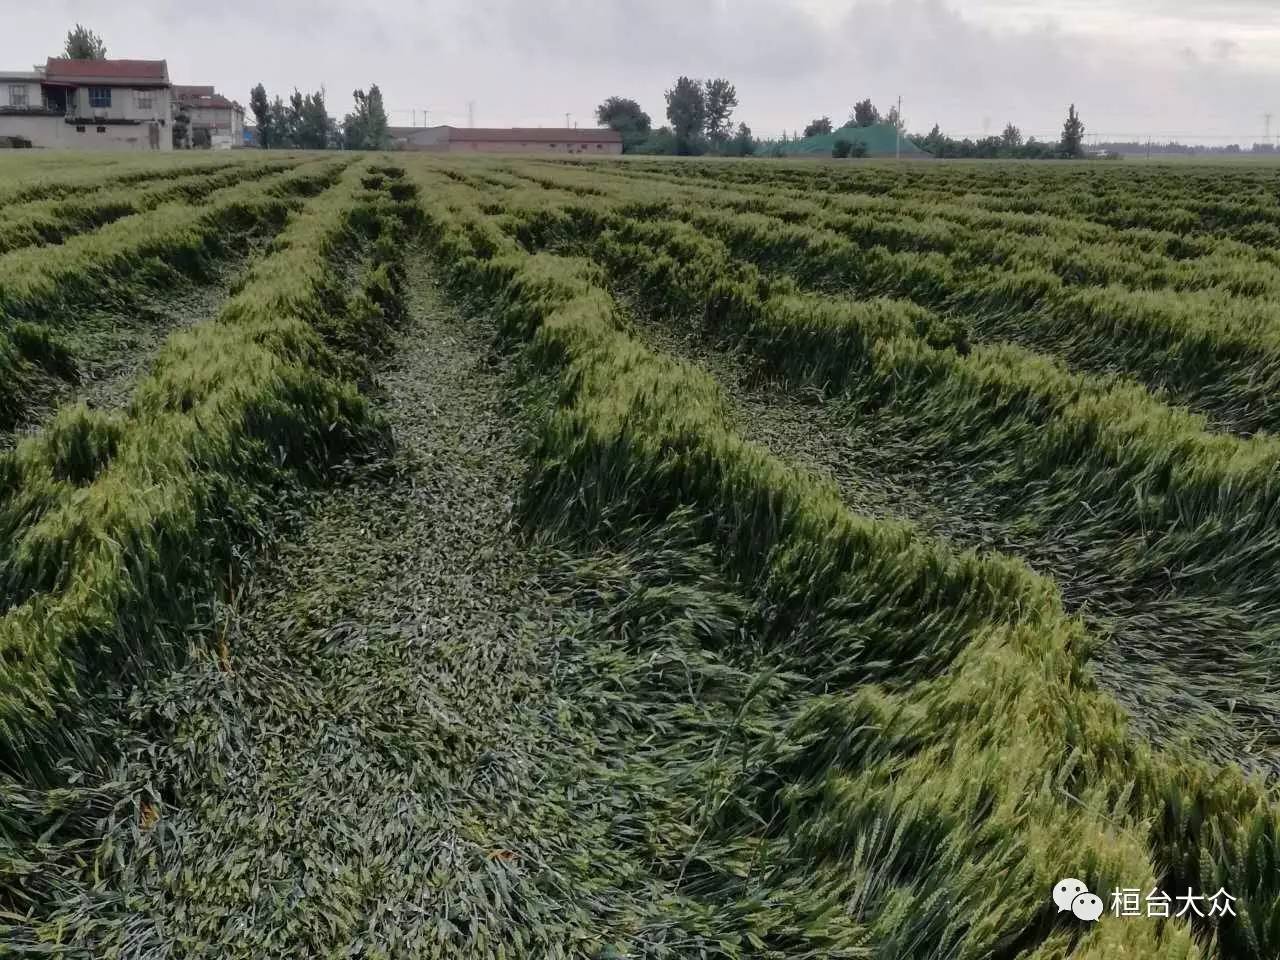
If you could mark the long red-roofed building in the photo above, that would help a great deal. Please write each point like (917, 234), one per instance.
(447, 139)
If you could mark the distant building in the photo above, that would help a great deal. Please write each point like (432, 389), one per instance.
(209, 111)
(88, 105)
(446, 139)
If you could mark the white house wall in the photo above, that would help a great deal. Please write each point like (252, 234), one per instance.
(56, 133)
(127, 103)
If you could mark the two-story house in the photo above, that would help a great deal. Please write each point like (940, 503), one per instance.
(220, 119)
(88, 105)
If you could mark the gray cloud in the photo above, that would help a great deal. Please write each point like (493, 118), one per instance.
(1133, 66)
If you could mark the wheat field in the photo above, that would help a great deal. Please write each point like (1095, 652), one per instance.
(420, 556)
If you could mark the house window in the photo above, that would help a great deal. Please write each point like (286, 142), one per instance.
(599, 146)
(142, 99)
(99, 98)
(18, 95)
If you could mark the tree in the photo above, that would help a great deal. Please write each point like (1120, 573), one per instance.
(308, 120)
(379, 135)
(625, 116)
(864, 114)
(988, 148)
(660, 142)
(366, 127)
(201, 139)
(687, 111)
(820, 126)
(840, 149)
(743, 143)
(1072, 134)
(181, 126)
(719, 99)
(83, 44)
(933, 141)
(282, 124)
(1011, 139)
(893, 118)
(261, 108)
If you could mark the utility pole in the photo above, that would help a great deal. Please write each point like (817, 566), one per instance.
(897, 132)
(567, 124)
(414, 112)
(1267, 118)
(471, 113)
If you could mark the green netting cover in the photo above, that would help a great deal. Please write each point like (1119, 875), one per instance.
(878, 140)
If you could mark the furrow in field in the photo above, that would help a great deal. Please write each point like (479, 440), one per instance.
(436, 701)
(114, 347)
(1188, 509)
(1151, 197)
(47, 294)
(1214, 348)
(79, 173)
(54, 221)
(119, 525)
(1077, 511)
(1178, 640)
(1076, 251)
(691, 613)
(153, 514)
(1195, 670)
(897, 652)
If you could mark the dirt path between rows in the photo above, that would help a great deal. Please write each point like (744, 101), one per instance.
(420, 734)
(344, 774)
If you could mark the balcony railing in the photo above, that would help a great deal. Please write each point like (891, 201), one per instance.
(38, 110)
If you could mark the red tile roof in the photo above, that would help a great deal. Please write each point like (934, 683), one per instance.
(532, 135)
(194, 96)
(215, 102)
(149, 72)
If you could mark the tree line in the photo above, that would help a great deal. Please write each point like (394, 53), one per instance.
(863, 114)
(303, 122)
(1009, 144)
(699, 121)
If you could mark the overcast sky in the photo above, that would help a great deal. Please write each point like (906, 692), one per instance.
(1202, 68)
